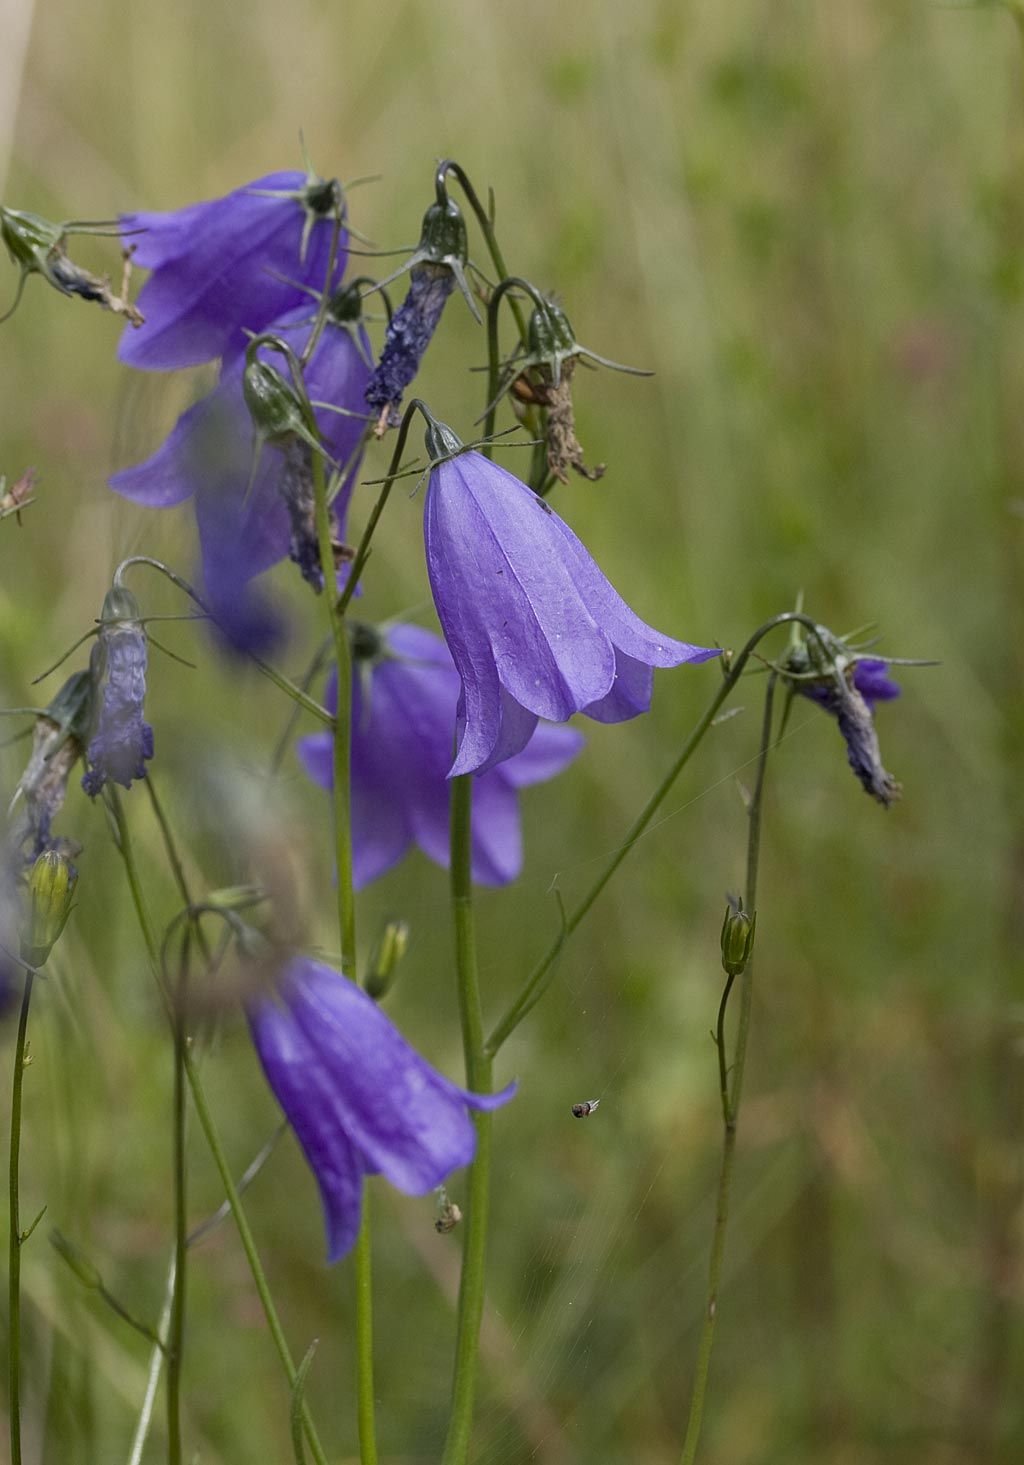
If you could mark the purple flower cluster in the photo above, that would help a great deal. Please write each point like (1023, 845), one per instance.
(360, 1099)
(249, 262)
(405, 693)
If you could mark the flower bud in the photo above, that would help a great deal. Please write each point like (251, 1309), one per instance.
(51, 886)
(273, 403)
(443, 238)
(737, 937)
(388, 951)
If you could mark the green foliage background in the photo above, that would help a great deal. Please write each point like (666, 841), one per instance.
(808, 218)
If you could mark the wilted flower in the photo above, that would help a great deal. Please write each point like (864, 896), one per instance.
(435, 269)
(58, 741)
(231, 263)
(404, 698)
(534, 627)
(360, 1099)
(826, 669)
(36, 245)
(120, 741)
(243, 518)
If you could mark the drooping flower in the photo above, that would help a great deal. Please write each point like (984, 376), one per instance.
(120, 740)
(230, 263)
(244, 519)
(849, 693)
(405, 695)
(360, 1099)
(437, 266)
(58, 741)
(37, 246)
(535, 629)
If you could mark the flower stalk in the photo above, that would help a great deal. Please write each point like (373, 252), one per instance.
(479, 1079)
(731, 1094)
(15, 1238)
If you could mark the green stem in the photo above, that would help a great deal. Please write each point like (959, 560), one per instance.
(478, 1080)
(537, 982)
(176, 1334)
(363, 551)
(15, 1237)
(362, 1259)
(483, 218)
(730, 1101)
(209, 1129)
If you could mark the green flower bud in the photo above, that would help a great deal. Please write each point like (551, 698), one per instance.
(737, 938)
(273, 403)
(443, 238)
(51, 887)
(388, 951)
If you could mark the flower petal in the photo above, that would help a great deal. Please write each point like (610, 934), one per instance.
(298, 1080)
(399, 1112)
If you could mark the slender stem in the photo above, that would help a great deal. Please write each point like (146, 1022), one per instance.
(479, 1080)
(509, 282)
(537, 982)
(156, 1360)
(209, 1129)
(363, 551)
(15, 1237)
(176, 1336)
(730, 1100)
(486, 227)
(362, 1260)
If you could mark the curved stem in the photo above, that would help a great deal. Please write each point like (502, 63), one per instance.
(493, 359)
(537, 982)
(485, 221)
(730, 1100)
(208, 1127)
(479, 1080)
(15, 1237)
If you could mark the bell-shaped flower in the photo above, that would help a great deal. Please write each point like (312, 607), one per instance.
(244, 519)
(360, 1099)
(120, 740)
(229, 264)
(405, 694)
(535, 629)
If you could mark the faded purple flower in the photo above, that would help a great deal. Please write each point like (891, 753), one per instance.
(228, 264)
(534, 627)
(405, 694)
(120, 741)
(360, 1099)
(245, 521)
(409, 333)
(850, 696)
(58, 740)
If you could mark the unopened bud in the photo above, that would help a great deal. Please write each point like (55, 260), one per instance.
(737, 937)
(388, 951)
(51, 887)
(273, 403)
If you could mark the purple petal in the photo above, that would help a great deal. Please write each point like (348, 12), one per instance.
(408, 1121)
(546, 754)
(630, 692)
(218, 268)
(307, 1098)
(872, 681)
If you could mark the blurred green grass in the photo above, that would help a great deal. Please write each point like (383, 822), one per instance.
(808, 218)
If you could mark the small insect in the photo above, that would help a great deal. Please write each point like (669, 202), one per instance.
(581, 1111)
(448, 1213)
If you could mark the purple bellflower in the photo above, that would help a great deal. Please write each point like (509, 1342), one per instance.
(360, 1099)
(120, 741)
(405, 696)
(244, 519)
(535, 629)
(849, 694)
(231, 263)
